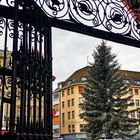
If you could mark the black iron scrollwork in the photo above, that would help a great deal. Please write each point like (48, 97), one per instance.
(11, 28)
(8, 86)
(10, 2)
(2, 25)
(117, 16)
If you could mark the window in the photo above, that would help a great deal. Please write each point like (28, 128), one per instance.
(131, 102)
(82, 127)
(81, 89)
(72, 90)
(69, 82)
(68, 103)
(83, 79)
(68, 91)
(60, 85)
(63, 119)
(138, 114)
(0, 64)
(132, 114)
(63, 104)
(62, 93)
(72, 102)
(56, 95)
(72, 114)
(130, 91)
(68, 115)
(0, 80)
(136, 91)
(73, 128)
(126, 81)
(137, 82)
(69, 128)
(55, 131)
(137, 103)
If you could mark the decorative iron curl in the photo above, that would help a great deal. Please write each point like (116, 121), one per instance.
(11, 28)
(8, 86)
(10, 3)
(20, 31)
(2, 25)
(116, 16)
(136, 25)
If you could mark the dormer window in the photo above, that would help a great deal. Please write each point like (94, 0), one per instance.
(69, 82)
(60, 86)
(83, 79)
(126, 81)
(137, 82)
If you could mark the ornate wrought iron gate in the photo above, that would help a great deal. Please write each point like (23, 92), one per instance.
(26, 53)
(25, 72)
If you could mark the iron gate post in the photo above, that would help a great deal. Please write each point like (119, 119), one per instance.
(48, 80)
(14, 70)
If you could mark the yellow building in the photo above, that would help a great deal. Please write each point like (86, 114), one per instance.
(71, 126)
(8, 56)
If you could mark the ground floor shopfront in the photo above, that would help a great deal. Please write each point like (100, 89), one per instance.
(80, 136)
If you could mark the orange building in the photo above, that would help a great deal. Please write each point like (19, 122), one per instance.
(56, 114)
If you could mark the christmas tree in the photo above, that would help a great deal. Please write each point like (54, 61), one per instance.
(106, 99)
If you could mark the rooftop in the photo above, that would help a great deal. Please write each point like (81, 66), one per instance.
(82, 73)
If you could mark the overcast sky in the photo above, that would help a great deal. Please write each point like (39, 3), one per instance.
(70, 51)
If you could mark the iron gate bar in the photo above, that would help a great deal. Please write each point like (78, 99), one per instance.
(49, 77)
(23, 80)
(7, 72)
(40, 83)
(14, 70)
(4, 74)
(29, 78)
(35, 93)
(82, 29)
(7, 12)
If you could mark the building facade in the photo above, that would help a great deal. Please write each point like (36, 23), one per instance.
(70, 96)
